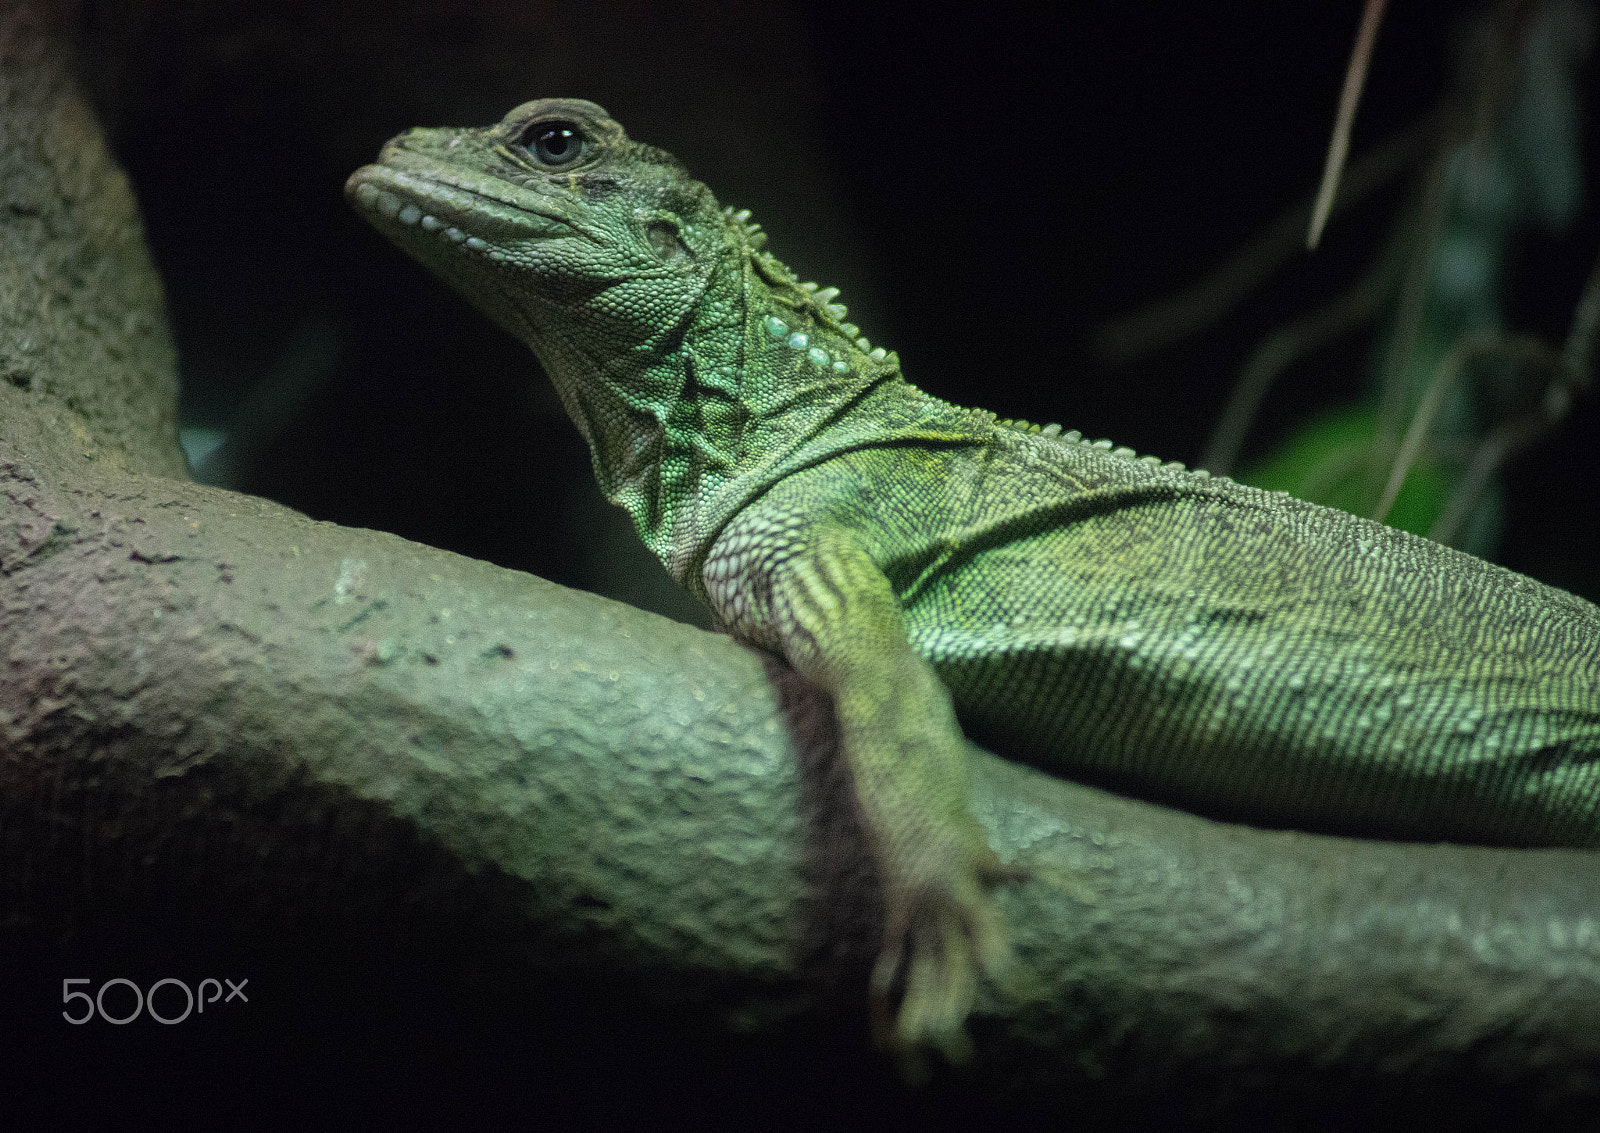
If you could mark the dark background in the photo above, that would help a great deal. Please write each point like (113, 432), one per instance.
(987, 186)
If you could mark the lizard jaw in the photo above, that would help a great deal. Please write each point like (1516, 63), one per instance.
(396, 198)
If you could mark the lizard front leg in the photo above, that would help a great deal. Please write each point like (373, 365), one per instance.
(813, 594)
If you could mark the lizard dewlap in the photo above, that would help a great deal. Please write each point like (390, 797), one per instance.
(1175, 636)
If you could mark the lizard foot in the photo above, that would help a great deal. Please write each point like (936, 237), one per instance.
(940, 935)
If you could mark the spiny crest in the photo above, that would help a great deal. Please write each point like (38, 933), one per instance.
(1074, 437)
(754, 238)
(820, 302)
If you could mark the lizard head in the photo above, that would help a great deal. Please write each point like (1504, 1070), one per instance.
(665, 327)
(556, 224)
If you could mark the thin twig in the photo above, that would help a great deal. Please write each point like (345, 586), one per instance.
(1445, 375)
(1281, 349)
(1573, 373)
(1577, 353)
(1323, 478)
(1485, 70)
(1355, 78)
(1495, 449)
(1428, 218)
(1197, 307)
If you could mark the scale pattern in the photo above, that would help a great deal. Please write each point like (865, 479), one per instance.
(1234, 651)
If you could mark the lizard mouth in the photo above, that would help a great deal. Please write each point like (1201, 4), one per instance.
(454, 212)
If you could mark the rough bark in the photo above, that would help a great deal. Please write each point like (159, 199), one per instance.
(233, 735)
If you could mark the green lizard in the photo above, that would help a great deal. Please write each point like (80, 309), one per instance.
(1135, 624)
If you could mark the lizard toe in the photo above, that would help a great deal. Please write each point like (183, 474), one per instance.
(940, 937)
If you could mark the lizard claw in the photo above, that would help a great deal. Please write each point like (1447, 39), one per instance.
(940, 935)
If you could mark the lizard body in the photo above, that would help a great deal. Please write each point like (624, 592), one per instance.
(1172, 635)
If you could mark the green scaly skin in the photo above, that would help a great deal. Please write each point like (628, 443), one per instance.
(1152, 629)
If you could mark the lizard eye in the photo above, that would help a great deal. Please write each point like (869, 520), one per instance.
(554, 145)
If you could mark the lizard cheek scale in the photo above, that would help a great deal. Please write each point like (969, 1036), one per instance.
(942, 573)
